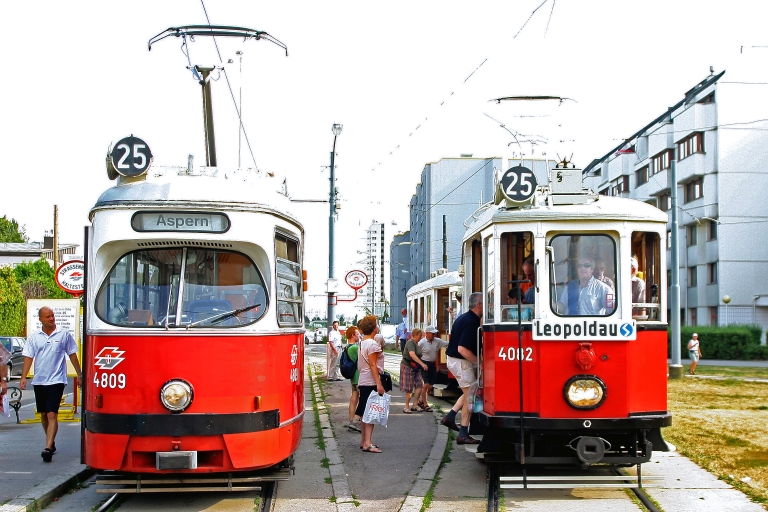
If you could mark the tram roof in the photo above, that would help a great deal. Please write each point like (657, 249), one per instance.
(233, 190)
(441, 281)
(604, 208)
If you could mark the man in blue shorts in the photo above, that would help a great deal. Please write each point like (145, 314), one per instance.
(49, 348)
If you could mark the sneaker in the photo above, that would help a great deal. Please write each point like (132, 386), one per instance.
(355, 425)
(449, 423)
(467, 440)
(47, 455)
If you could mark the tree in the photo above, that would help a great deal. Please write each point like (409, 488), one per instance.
(12, 304)
(37, 280)
(11, 232)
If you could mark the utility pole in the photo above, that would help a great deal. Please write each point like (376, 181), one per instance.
(675, 367)
(55, 237)
(331, 220)
(445, 249)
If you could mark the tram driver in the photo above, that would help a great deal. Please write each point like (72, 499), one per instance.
(586, 296)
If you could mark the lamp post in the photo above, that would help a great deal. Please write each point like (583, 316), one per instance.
(331, 219)
(726, 300)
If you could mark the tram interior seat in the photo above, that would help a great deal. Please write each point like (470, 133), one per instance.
(202, 309)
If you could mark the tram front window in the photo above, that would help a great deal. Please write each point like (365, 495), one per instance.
(217, 289)
(583, 275)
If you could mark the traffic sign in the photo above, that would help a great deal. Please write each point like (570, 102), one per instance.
(70, 277)
(356, 279)
(518, 183)
(131, 157)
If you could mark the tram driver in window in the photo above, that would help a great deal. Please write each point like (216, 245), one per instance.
(586, 296)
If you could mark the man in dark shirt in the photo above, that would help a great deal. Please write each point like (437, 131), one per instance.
(462, 363)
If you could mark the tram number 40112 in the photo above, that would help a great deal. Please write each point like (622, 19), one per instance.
(516, 354)
(109, 380)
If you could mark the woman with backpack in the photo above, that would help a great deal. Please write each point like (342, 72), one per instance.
(353, 337)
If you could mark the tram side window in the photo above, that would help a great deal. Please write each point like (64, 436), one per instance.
(289, 281)
(645, 279)
(582, 270)
(517, 263)
(217, 289)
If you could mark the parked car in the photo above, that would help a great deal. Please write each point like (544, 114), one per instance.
(14, 345)
(309, 337)
(319, 335)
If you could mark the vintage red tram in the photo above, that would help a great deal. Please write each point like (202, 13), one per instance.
(573, 351)
(193, 357)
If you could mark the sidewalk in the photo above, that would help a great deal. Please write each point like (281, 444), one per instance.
(24, 478)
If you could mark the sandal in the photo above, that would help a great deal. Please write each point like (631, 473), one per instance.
(417, 408)
(374, 445)
(426, 408)
(372, 448)
(407, 410)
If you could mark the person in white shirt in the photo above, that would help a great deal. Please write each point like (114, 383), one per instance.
(694, 351)
(49, 348)
(430, 347)
(334, 352)
(586, 296)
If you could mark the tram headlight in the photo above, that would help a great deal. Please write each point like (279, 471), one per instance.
(176, 395)
(584, 392)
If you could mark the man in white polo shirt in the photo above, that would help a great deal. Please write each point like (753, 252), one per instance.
(49, 349)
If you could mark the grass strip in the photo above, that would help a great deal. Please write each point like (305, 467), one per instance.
(445, 460)
(722, 425)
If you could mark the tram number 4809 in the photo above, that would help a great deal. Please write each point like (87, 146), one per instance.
(516, 354)
(109, 380)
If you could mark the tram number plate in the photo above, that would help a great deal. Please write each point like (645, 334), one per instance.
(516, 354)
(109, 380)
(294, 374)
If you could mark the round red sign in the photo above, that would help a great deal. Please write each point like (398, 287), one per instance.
(356, 279)
(70, 277)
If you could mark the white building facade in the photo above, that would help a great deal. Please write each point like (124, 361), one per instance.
(717, 137)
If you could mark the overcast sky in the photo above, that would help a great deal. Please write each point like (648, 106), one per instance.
(409, 81)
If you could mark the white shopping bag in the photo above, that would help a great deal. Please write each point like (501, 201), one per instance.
(377, 409)
(6, 407)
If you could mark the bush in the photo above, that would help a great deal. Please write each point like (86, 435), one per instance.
(12, 306)
(731, 342)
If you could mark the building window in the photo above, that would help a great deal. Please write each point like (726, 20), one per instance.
(694, 190)
(712, 230)
(694, 143)
(691, 235)
(665, 202)
(713, 315)
(692, 278)
(712, 272)
(669, 239)
(669, 282)
(661, 161)
(620, 186)
(641, 176)
(692, 315)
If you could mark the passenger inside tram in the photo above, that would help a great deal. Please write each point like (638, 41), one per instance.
(586, 295)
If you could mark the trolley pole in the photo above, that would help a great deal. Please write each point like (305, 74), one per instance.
(675, 366)
(331, 220)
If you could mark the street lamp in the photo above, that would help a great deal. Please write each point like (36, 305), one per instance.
(336, 129)
(726, 300)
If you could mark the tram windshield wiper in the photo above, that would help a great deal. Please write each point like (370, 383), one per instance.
(223, 316)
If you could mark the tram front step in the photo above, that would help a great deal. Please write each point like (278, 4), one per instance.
(577, 481)
(136, 484)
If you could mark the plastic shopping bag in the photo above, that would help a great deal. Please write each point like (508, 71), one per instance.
(475, 397)
(377, 409)
(6, 407)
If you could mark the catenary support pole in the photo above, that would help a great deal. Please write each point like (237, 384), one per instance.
(675, 366)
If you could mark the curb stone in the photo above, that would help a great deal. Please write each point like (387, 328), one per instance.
(44, 493)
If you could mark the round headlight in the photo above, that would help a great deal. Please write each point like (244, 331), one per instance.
(584, 392)
(176, 395)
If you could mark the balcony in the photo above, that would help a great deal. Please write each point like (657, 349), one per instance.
(697, 117)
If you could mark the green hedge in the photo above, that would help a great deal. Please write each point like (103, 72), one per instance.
(735, 342)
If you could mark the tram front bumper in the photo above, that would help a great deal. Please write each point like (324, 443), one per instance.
(511, 420)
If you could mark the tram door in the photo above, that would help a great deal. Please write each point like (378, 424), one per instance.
(442, 318)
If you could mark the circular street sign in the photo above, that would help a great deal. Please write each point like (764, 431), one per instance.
(70, 277)
(131, 157)
(518, 183)
(356, 279)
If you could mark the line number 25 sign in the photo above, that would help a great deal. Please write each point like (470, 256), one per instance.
(518, 183)
(131, 157)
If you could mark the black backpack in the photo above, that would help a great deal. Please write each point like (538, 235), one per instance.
(347, 366)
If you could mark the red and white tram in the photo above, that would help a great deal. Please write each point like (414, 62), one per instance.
(575, 372)
(193, 356)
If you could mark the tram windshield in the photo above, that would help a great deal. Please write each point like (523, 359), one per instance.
(182, 287)
(583, 275)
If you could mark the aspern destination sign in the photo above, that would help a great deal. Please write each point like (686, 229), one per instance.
(195, 222)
